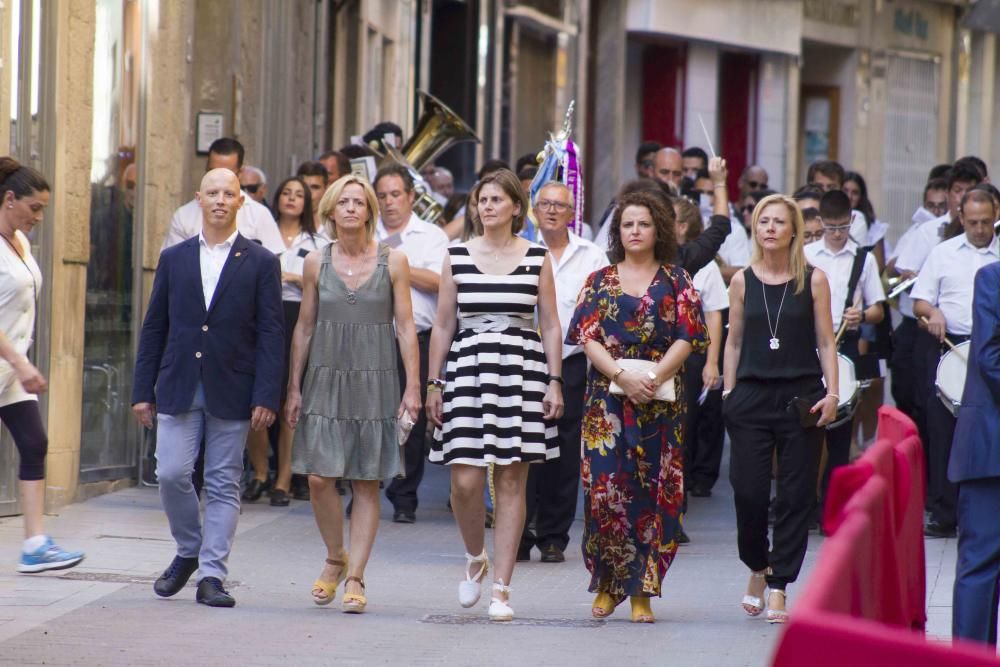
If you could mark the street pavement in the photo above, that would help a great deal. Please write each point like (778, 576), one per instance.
(104, 611)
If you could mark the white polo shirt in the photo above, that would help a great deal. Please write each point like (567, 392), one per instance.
(579, 259)
(253, 220)
(837, 267)
(947, 279)
(425, 246)
(711, 288)
(293, 259)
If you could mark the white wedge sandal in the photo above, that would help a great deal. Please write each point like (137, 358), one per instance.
(499, 609)
(471, 589)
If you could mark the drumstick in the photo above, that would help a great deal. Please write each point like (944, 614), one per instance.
(954, 348)
(711, 149)
(843, 322)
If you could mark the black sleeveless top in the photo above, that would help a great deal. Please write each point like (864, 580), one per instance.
(795, 357)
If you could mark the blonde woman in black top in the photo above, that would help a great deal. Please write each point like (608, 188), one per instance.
(774, 398)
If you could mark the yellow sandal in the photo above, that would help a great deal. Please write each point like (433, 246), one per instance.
(329, 588)
(641, 611)
(354, 603)
(604, 605)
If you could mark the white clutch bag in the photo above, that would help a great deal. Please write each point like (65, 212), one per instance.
(403, 427)
(665, 392)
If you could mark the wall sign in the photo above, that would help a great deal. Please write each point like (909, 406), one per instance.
(210, 128)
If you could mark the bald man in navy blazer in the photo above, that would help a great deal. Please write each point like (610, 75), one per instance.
(975, 466)
(210, 363)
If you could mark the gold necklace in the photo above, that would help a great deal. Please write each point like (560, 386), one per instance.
(496, 252)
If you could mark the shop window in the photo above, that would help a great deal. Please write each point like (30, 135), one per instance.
(107, 447)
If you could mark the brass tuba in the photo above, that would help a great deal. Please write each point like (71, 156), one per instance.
(438, 129)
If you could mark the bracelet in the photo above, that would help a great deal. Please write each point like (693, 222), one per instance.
(435, 382)
(614, 378)
(836, 396)
(432, 388)
(719, 185)
(557, 378)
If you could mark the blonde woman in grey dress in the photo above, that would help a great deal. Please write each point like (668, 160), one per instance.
(343, 387)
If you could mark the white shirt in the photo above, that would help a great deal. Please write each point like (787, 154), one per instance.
(913, 249)
(253, 220)
(735, 250)
(837, 267)
(579, 259)
(947, 279)
(20, 284)
(711, 288)
(859, 227)
(425, 246)
(293, 260)
(212, 260)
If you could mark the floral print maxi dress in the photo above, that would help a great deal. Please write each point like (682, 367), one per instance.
(632, 468)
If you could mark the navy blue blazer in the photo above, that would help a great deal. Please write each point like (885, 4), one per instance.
(975, 449)
(235, 348)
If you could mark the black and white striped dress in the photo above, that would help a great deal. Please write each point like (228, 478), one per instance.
(496, 375)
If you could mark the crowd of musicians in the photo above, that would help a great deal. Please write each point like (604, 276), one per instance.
(528, 355)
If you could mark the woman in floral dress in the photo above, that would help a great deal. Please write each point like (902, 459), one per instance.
(640, 307)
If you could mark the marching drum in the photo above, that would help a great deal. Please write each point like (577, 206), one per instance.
(950, 380)
(849, 388)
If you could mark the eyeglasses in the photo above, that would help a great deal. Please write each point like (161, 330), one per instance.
(812, 236)
(252, 188)
(834, 229)
(937, 209)
(757, 185)
(549, 205)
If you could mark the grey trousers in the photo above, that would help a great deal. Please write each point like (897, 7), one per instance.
(178, 440)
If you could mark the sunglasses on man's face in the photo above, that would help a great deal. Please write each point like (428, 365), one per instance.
(252, 188)
(757, 185)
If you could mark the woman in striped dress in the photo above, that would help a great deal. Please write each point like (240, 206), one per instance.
(501, 385)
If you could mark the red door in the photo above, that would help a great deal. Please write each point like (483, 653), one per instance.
(737, 112)
(663, 94)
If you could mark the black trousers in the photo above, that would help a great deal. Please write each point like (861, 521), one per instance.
(402, 492)
(904, 374)
(838, 453)
(553, 486)
(760, 422)
(704, 432)
(942, 495)
(24, 422)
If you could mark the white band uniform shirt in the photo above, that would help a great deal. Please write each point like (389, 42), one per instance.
(735, 250)
(212, 262)
(859, 227)
(711, 288)
(579, 259)
(912, 251)
(20, 282)
(947, 279)
(293, 259)
(254, 221)
(425, 246)
(837, 267)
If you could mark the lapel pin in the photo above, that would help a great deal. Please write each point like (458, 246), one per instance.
(238, 254)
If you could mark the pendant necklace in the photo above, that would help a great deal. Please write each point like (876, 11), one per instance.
(352, 296)
(774, 343)
(496, 251)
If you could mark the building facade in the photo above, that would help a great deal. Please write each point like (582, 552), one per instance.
(115, 100)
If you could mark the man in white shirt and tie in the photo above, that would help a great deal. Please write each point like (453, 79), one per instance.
(943, 296)
(553, 486)
(425, 246)
(253, 220)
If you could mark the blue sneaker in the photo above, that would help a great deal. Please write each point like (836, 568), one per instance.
(49, 556)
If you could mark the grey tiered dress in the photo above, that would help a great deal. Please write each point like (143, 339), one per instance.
(350, 392)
